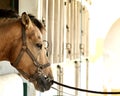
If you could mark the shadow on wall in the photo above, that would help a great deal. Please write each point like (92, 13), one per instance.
(112, 54)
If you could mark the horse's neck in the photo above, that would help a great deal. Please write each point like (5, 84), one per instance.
(8, 35)
(4, 48)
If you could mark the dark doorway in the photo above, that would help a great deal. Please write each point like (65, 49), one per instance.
(9, 4)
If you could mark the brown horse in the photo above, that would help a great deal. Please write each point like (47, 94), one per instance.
(21, 43)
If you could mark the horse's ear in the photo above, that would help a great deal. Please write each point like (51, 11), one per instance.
(26, 20)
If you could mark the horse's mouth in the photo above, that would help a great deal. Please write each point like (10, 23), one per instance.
(43, 84)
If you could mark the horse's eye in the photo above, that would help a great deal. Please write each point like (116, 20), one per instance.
(39, 45)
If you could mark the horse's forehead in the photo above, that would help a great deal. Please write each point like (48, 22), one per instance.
(38, 33)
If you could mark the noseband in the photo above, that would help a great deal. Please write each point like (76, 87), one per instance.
(25, 48)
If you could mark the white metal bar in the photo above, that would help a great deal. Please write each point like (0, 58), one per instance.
(51, 29)
(60, 80)
(64, 34)
(72, 39)
(77, 77)
(78, 28)
(39, 9)
(61, 28)
(46, 18)
(75, 30)
(56, 31)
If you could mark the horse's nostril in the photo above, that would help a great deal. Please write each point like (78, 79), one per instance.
(45, 76)
(47, 79)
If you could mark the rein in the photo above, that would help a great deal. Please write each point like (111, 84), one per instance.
(27, 50)
(83, 90)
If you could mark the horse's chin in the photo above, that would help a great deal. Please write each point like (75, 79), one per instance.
(41, 89)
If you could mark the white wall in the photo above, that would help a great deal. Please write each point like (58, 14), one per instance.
(5, 67)
(11, 85)
(29, 6)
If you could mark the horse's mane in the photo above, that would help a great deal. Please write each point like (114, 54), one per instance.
(12, 14)
(36, 21)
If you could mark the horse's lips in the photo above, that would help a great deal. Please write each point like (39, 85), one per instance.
(43, 87)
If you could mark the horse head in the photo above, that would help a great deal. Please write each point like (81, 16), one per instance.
(29, 55)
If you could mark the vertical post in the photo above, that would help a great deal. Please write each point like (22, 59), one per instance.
(24, 89)
(56, 53)
(46, 16)
(77, 76)
(75, 28)
(51, 21)
(39, 9)
(67, 26)
(64, 34)
(72, 25)
(87, 74)
(78, 28)
(81, 31)
(60, 79)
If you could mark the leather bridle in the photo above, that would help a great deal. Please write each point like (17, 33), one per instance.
(25, 48)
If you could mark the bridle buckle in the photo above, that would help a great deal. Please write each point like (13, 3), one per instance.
(24, 47)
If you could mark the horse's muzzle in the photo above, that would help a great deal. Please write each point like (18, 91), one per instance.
(44, 83)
